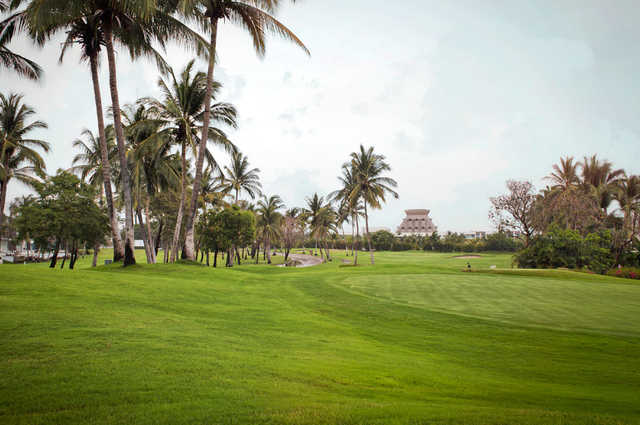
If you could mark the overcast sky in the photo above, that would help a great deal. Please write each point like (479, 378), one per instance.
(459, 95)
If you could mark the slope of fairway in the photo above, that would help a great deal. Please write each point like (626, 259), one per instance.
(410, 340)
(558, 301)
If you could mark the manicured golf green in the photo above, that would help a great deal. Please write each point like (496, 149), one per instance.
(411, 340)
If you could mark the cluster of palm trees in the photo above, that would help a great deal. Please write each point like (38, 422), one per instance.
(581, 194)
(363, 187)
(141, 27)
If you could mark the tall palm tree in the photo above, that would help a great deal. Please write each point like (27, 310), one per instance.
(16, 149)
(9, 59)
(135, 25)
(239, 177)
(86, 32)
(269, 221)
(255, 17)
(348, 203)
(180, 111)
(371, 186)
(88, 162)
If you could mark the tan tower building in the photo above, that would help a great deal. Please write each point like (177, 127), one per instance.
(417, 222)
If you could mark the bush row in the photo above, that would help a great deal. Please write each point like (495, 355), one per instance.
(625, 272)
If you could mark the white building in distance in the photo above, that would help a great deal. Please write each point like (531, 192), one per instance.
(416, 223)
(475, 234)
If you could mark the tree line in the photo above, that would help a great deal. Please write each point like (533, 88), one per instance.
(587, 216)
(140, 27)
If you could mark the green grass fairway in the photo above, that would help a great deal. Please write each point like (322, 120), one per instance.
(412, 340)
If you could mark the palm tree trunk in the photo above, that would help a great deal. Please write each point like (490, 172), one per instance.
(183, 194)
(230, 257)
(344, 238)
(118, 248)
(156, 245)
(366, 225)
(267, 247)
(353, 232)
(355, 242)
(3, 198)
(96, 250)
(197, 181)
(152, 247)
(145, 238)
(129, 254)
(54, 257)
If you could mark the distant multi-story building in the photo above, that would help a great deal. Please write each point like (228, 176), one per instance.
(475, 234)
(416, 223)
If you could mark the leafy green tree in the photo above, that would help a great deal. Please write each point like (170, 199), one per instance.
(237, 228)
(64, 213)
(382, 240)
(255, 17)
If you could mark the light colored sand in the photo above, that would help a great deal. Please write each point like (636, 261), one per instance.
(306, 260)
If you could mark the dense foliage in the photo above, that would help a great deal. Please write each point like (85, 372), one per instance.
(588, 217)
(63, 215)
(567, 248)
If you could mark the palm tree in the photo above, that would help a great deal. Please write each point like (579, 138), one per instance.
(88, 163)
(269, 221)
(239, 177)
(137, 26)
(371, 186)
(628, 197)
(150, 166)
(322, 226)
(348, 204)
(565, 200)
(564, 176)
(255, 17)
(310, 214)
(342, 216)
(16, 149)
(601, 180)
(180, 111)
(9, 59)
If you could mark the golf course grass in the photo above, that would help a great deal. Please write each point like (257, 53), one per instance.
(411, 340)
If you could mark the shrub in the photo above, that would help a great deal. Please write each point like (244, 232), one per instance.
(566, 248)
(625, 272)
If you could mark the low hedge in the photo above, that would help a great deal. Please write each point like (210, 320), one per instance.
(625, 272)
